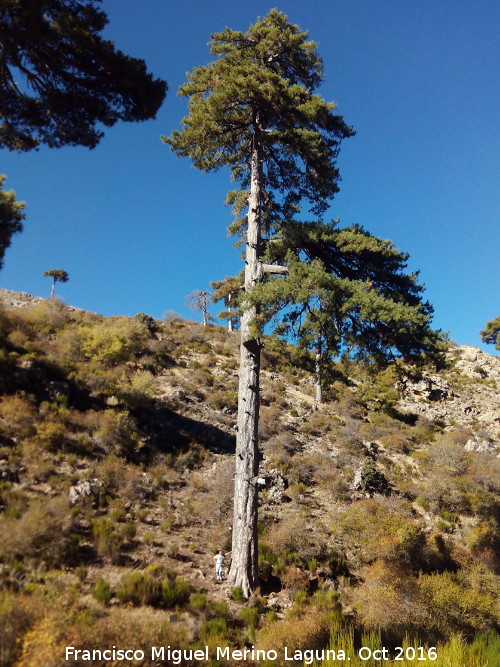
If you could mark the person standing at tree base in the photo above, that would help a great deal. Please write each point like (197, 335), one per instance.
(219, 564)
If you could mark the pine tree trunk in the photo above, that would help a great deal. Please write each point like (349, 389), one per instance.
(318, 393)
(244, 565)
(53, 289)
(230, 319)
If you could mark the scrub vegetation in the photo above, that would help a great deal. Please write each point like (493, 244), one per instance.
(376, 526)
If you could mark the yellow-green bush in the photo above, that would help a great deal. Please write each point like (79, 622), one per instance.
(101, 591)
(387, 599)
(17, 614)
(378, 529)
(113, 432)
(107, 539)
(137, 390)
(17, 416)
(42, 531)
(466, 601)
(78, 626)
(140, 588)
(114, 340)
(308, 631)
(44, 318)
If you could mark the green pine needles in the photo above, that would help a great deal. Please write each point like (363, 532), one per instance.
(261, 85)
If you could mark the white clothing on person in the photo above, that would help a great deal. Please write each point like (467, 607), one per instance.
(219, 563)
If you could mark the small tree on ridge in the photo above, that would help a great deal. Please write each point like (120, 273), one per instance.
(58, 276)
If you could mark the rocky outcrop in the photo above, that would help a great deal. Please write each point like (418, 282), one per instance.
(465, 396)
(10, 299)
(88, 488)
(276, 485)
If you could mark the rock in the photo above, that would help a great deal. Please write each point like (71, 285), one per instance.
(369, 479)
(372, 448)
(84, 489)
(477, 364)
(276, 484)
(8, 473)
(178, 394)
(480, 445)
(430, 387)
(472, 403)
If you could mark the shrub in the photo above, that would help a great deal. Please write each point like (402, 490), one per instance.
(148, 322)
(309, 631)
(50, 435)
(18, 417)
(250, 617)
(15, 501)
(198, 601)
(237, 594)
(380, 529)
(83, 628)
(287, 536)
(294, 579)
(317, 424)
(484, 535)
(43, 531)
(107, 540)
(148, 538)
(140, 588)
(464, 601)
(215, 629)
(101, 591)
(297, 491)
(175, 592)
(371, 478)
(128, 531)
(388, 599)
(44, 318)
(269, 422)
(17, 614)
(137, 390)
(114, 340)
(114, 432)
(226, 398)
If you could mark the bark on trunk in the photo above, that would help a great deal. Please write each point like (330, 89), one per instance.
(244, 565)
(230, 319)
(53, 289)
(318, 393)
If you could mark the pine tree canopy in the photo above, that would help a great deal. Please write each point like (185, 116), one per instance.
(346, 291)
(58, 275)
(491, 333)
(261, 85)
(11, 217)
(59, 78)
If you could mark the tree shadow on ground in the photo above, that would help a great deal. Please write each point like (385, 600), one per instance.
(172, 432)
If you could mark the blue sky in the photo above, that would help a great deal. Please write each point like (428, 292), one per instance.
(138, 229)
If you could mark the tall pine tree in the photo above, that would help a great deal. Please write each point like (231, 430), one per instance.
(255, 111)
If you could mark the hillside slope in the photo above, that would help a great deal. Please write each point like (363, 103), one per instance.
(379, 507)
